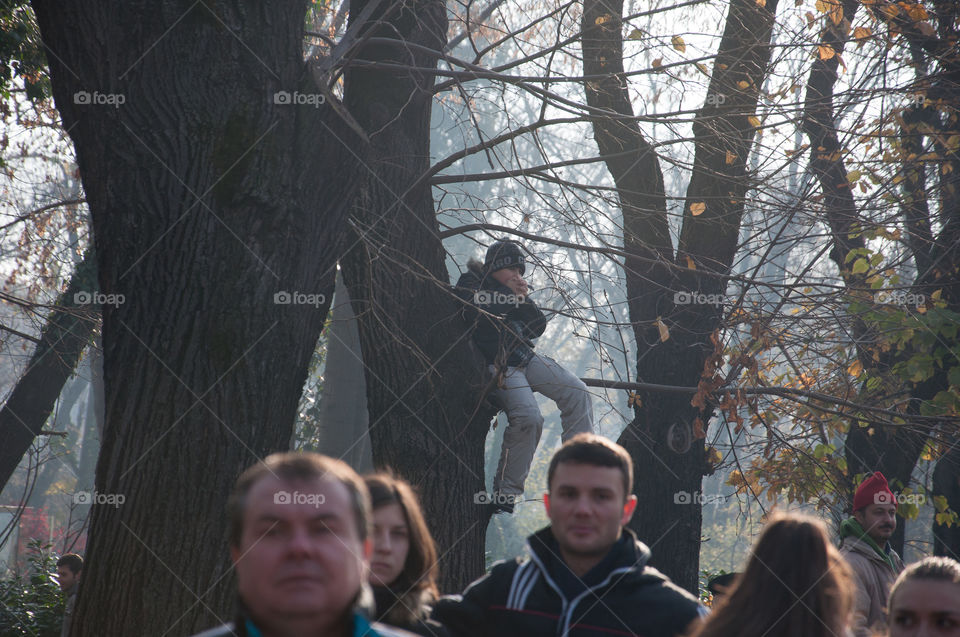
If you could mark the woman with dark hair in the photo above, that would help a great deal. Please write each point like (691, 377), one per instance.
(403, 567)
(925, 599)
(795, 584)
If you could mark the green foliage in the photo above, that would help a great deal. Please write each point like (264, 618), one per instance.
(705, 576)
(32, 604)
(21, 52)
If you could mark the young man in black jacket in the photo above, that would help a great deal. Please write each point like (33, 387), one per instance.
(586, 575)
(505, 323)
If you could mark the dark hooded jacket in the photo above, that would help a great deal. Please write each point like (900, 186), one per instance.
(540, 597)
(504, 330)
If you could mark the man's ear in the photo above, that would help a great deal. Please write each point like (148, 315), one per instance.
(546, 503)
(628, 508)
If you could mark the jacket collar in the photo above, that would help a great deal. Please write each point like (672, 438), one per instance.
(361, 611)
(853, 535)
(627, 553)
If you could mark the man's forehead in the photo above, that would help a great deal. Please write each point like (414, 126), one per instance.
(322, 493)
(881, 507)
(587, 476)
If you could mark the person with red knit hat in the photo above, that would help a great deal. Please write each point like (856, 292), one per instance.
(864, 543)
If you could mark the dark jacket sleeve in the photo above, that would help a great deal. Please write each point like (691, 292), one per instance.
(495, 298)
(466, 615)
(530, 315)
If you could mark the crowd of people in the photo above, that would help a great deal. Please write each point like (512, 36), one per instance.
(347, 556)
(320, 550)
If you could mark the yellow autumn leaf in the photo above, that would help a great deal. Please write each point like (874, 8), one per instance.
(862, 33)
(823, 5)
(664, 331)
(836, 13)
(690, 264)
(657, 63)
(731, 157)
(855, 369)
(636, 34)
(826, 51)
(697, 209)
(743, 84)
(754, 121)
(917, 12)
(761, 3)
(678, 44)
(603, 19)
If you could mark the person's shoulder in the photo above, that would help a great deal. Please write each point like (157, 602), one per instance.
(224, 630)
(656, 586)
(472, 276)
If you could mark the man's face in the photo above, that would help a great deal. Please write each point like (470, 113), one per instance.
(66, 578)
(587, 508)
(878, 520)
(300, 555)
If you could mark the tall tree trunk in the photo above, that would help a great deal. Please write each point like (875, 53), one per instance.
(423, 376)
(62, 340)
(216, 201)
(667, 450)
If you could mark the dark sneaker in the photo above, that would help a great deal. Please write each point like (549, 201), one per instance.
(503, 507)
(504, 502)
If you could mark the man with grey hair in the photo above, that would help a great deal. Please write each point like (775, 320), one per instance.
(299, 541)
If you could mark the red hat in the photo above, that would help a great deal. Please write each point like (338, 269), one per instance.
(874, 490)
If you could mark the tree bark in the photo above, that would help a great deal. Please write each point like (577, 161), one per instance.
(423, 375)
(215, 200)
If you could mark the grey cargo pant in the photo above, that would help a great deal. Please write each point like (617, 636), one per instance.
(524, 420)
